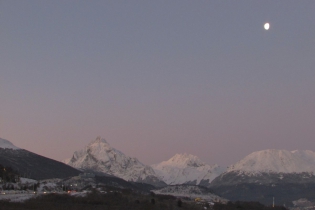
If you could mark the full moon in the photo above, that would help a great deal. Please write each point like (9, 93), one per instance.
(266, 26)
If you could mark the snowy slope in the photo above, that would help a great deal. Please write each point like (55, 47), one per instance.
(306, 155)
(186, 168)
(5, 144)
(276, 161)
(190, 191)
(101, 157)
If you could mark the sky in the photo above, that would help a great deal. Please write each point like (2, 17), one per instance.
(156, 78)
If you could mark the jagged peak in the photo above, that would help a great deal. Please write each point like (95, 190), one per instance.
(99, 141)
(5, 144)
(99, 156)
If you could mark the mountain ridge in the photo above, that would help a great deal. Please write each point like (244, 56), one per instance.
(278, 161)
(186, 169)
(32, 165)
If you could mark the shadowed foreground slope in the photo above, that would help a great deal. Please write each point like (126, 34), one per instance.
(35, 166)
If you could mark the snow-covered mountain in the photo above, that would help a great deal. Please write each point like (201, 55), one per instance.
(265, 174)
(5, 144)
(276, 161)
(186, 169)
(271, 166)
(99, 156)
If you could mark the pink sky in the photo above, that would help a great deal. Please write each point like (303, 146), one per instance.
(158, 78)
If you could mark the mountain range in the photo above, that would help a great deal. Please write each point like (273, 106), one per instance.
(261, 175)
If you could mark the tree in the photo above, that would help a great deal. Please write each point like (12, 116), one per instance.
(179, 203)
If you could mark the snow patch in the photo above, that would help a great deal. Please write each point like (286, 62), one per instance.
(27, 181)
(189, 191)
(5, 144)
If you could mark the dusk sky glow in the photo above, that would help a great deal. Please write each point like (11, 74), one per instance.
(156, 78)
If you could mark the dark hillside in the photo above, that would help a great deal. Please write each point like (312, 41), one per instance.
(283, 193)
(35, 166)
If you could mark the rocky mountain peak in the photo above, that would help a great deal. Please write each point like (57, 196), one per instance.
(99, 156)
(99, 142)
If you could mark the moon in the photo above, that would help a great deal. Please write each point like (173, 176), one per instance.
(267, 26)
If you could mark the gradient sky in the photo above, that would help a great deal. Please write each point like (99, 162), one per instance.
(156, 78)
